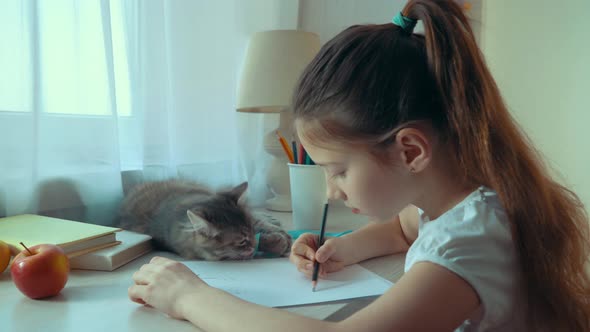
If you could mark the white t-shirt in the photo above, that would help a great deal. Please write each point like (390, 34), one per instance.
(473, 240)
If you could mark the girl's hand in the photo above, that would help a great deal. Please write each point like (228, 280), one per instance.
(305, 252)
(163, 284)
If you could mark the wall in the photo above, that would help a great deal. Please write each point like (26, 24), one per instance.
(539, 53)
(209, 60)
(329, 17)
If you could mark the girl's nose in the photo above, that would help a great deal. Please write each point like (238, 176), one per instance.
(334, 193)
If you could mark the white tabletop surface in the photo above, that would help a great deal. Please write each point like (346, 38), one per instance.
(97, 301)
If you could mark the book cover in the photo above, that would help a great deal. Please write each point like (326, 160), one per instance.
(75, 238)
(131, 246)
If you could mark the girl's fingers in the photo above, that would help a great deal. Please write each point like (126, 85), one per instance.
(142, 277)
(303, 250)
(138, 301)
(330, 266)
(303, 256)
(305, 266)
(135, 293)
(325, 252)
(159, 260)
(309, 238)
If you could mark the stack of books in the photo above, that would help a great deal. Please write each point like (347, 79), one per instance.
(88, 246)
(132, 245)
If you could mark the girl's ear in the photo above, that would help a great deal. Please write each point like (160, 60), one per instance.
(415, 149)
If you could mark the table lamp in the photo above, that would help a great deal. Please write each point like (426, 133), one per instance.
(274, 61)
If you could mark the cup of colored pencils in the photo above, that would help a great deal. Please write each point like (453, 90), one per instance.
(295, 151)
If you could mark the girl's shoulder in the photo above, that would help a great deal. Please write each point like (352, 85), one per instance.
(474, 241)
(482, 210)
(477, 226)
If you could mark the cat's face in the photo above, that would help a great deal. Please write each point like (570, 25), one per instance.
(223, 228)
(231, 244)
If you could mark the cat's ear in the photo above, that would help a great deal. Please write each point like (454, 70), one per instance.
(239, 192)
(199, 223)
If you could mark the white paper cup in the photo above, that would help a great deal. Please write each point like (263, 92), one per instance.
(308, 195)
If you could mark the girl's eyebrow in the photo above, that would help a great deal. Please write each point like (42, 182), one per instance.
(328, 164)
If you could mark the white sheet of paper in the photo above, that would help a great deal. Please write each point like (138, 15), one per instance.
(277, 283)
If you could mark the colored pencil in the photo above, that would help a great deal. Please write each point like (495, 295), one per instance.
(294, 145)
(301, 154)
(285, 146)
(316, 265)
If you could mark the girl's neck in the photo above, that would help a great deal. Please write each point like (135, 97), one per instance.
(442, 190)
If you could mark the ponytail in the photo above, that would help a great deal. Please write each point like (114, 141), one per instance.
(548, 222)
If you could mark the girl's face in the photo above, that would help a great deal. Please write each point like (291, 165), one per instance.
(367, 187)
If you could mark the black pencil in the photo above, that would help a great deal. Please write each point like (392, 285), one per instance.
(316, 265)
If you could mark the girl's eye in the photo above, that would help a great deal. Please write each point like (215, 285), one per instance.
(339, 175)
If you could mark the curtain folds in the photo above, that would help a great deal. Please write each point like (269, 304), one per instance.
(96, 96)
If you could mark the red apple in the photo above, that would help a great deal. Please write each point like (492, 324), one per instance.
(40, 271)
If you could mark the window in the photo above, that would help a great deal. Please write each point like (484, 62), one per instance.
(64, 56)
(15, 85)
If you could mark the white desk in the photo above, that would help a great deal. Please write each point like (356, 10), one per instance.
(97, 301)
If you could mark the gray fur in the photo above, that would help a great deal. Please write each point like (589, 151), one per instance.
(196, 223)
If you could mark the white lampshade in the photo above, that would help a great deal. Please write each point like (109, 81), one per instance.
(274, 61)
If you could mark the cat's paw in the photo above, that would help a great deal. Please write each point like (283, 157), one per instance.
(278, 242)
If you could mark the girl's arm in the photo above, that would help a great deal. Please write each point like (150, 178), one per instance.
(427, 298)
(380, 239)
(372, 240)
(171, 287)
(215, 310)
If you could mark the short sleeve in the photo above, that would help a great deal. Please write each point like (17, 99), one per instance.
(474, 242)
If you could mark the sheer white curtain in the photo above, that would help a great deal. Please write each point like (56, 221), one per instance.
(95, 95)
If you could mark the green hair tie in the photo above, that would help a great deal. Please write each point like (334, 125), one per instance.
(405, 23)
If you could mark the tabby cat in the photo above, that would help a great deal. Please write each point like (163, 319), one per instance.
(195, 222)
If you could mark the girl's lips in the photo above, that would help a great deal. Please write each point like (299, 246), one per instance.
(356, 211)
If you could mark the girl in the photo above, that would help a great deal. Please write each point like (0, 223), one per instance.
(402, 121)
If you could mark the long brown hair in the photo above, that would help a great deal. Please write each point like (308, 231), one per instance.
(370, 79)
